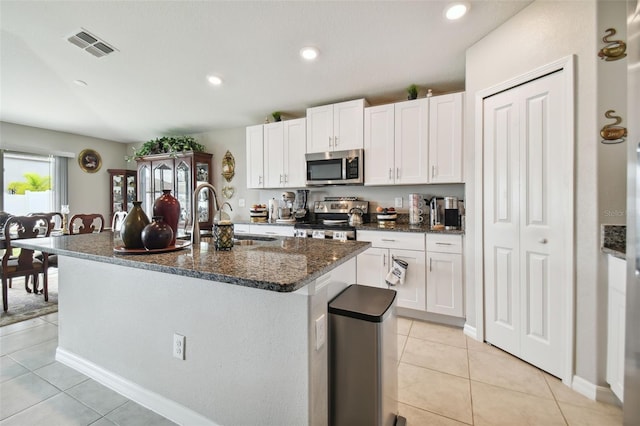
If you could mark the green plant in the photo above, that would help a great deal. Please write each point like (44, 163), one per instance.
(33, 182)
(412, 91)
(166, 144)
(277, 115)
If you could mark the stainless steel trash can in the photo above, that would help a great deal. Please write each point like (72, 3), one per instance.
(363, 358)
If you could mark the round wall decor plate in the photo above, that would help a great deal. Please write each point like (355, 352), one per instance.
(89, 161)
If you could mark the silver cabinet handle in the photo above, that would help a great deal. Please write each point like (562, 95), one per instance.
(397, 172)
(286, 178)
(259, 180)
(443, 244)
(384, 260)
(335, 141)
(330, 141)
(433, 171)
(388, 240)
(543, 241)
(430, 263)
(390, 173)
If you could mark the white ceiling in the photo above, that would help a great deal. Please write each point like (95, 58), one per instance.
(155, 84)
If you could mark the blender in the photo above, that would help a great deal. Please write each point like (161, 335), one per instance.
(300, 207)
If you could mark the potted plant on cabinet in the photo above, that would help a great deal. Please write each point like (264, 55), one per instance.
(412, 92)
(166, 144)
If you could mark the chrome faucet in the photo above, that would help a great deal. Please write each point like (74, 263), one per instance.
(195, 230)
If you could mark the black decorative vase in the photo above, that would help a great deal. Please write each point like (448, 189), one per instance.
(168, 207)
(134, 223)
(157, 235)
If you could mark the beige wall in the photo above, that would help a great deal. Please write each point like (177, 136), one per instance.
(88, 192)
(540, 34)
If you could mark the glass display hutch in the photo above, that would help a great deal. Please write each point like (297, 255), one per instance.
(181, 173)
(123, 190)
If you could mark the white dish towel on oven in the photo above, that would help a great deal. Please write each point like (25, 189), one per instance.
(397, 273)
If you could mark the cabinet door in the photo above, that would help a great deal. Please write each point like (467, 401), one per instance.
(445, 138)
(411, 142)
(444, 284)
(372, 267)
(320, 129)
(255, 154)
(184, 188)
(617, 280)
(274, 230)
(348, 125)
(378, 145)
(411, 294)
(274, 155)
(295, 166)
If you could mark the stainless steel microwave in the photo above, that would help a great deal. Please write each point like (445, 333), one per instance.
(335, 168)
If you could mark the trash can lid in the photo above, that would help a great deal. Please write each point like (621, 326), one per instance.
(363, 302)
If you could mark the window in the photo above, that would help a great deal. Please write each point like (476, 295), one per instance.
(33, 182)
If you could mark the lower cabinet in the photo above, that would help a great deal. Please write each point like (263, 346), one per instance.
(434, 274)
(374, 264)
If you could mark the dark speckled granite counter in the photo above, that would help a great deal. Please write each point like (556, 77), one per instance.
(613, 240)
(283, 265)
(400, 226)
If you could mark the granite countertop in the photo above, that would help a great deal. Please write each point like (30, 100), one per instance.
(285, 264)
(613, 240)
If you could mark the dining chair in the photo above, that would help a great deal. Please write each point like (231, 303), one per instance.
(55, 218)
(24, 264)
(118, 219)
(86, 223)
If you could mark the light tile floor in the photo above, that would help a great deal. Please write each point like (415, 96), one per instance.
(37, 390)
(444, 378)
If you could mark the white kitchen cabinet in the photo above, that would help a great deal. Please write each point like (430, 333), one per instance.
(617, 278)
(445, 138)
(396, 143)
(284, 149)
(241, 228)
(336, 127)
(444, 275)
(255, 156)
(374, 264)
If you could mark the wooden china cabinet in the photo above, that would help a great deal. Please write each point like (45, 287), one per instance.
(123, 190)
(181, 173)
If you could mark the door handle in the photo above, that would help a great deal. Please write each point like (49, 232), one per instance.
(543, 241)
(335, 141)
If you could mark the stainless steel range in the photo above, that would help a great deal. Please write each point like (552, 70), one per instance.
(330, 218)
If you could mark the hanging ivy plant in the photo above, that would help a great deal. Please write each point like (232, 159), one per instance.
(167, 145)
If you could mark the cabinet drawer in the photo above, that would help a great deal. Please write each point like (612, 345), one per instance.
(444, 243)
(393, 240)
(275, 230)
(241, 228)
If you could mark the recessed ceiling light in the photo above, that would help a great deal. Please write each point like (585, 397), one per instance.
(215, 80)
(456, 11)
(309, 53)
(80, 83)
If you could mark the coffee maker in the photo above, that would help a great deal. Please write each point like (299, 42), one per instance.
(451, 213)
(447, 211)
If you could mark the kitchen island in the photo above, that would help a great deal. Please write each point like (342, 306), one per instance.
(254, 321)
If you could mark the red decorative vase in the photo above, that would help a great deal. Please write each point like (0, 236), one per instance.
(168, 207)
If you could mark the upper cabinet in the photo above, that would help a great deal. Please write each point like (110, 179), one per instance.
(414, 142)
(445, 138)
(181, 173)
(284, 149)
(255, 156)
(335, 127)
(395, 143)
(275, 154)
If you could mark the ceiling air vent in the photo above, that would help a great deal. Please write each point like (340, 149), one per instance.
(90, 43)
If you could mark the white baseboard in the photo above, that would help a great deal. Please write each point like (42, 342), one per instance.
(470, 331)
(148, 399)
(593, 392)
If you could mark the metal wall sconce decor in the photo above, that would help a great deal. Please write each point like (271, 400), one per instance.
(615, 49)
(228, 171)
(613, 133)
(228, 166)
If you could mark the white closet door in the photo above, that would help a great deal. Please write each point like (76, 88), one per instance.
(525, 131)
